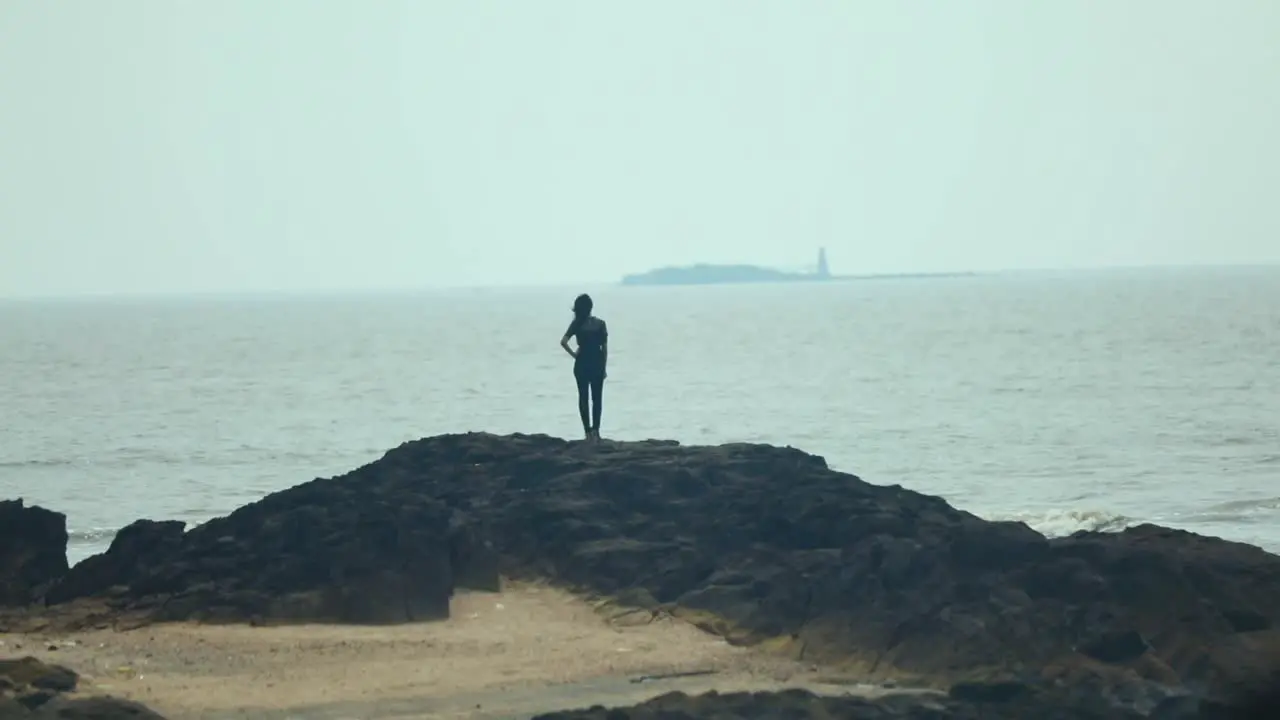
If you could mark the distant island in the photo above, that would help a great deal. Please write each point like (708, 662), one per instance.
(707, 274)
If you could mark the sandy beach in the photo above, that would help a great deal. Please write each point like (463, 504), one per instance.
(528, 649)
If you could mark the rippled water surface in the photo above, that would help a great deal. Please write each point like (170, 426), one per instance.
(1068, 400)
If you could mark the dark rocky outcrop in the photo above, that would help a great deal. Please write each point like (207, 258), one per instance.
(757, 543)
(768, 544)
(322, 551)
(134, 552)
(33, 690)
(99, 707)
(33, 551)
(804, 705)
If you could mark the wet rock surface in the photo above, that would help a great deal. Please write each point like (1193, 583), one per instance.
(33, 690)
(33, 551)
(757, 543)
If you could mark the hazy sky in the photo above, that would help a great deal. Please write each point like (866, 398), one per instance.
(294, 144)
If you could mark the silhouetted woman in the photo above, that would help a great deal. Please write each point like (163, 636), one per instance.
(588, 361)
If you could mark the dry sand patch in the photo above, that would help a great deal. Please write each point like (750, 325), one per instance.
(503, 647)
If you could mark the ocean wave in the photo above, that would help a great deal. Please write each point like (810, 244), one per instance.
(91, 536)
(1240, 512)
(39, 463)
(1060, 523)
(132, 457)
(1246, 506)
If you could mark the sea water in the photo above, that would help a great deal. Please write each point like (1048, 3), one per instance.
(1069, 400)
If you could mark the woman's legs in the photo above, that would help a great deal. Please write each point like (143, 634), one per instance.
(583, 383)
(597, 392)
(590, 383)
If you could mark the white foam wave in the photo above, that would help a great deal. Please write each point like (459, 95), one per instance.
(91, 536)
(1060, 523)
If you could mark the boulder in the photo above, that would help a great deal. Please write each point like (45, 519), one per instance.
(99, 707)
(32, 689)
(33, 551)
(30, 683)
(327, 550)
(135, 551)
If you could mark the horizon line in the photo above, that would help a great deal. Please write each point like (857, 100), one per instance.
(427, 289)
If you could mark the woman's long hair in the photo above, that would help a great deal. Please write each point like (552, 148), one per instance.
(581, 309)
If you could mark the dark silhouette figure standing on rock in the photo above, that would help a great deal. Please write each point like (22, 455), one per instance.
(588, 361)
